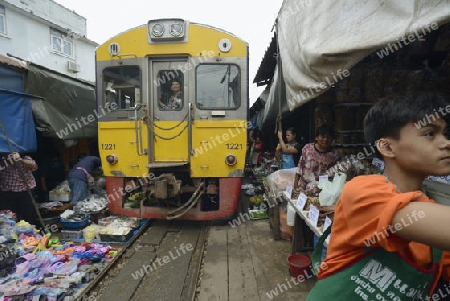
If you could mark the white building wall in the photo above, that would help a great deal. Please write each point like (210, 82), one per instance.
(28, 24)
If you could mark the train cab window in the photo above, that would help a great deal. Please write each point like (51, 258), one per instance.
(218, 87)
(121, 85)
(170, 90)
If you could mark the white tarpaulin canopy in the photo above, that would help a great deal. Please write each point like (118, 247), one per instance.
(258, 117)
(320, 41)
(274, 105)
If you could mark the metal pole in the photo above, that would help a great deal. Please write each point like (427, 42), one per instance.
(279, 124)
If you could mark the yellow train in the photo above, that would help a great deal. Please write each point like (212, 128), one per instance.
(172, 101)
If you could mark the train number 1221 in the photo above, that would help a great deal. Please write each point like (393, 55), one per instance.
(108, 146)
(234, 145)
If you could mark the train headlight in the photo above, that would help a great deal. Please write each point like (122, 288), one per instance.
(176, 29)
(167, 30)
(158, 30)
(230, 159)
(111, 159)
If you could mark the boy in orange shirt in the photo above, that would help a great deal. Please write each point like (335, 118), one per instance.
(387, 236)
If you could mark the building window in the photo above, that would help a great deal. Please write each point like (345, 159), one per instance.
(2, 20)
(61, 42)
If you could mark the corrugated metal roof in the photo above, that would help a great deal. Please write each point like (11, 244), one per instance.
(267, 67)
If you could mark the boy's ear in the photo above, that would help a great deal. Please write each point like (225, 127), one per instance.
(384, 147)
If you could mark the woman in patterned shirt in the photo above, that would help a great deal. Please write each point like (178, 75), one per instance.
(317, 157)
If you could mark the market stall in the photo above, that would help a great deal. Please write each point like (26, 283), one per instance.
(66, 254)
(62, 263)
(342, 76)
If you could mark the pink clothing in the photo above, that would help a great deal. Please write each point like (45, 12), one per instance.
(314, 163)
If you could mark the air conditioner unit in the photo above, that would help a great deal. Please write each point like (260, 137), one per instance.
(72, 66)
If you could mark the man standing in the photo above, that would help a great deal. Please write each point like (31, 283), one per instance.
(14, 171)
(81, 176)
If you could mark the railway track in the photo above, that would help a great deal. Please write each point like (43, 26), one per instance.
(162, 262)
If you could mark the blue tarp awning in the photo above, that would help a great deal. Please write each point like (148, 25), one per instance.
(16, 115)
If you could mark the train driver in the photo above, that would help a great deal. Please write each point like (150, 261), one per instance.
(175, 100)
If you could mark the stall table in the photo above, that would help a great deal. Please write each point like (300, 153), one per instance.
(274, 216)
(302, 218)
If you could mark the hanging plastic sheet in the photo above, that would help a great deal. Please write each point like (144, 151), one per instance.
(276, 100)
(259, 108)
(67, 106)
(17, 119)
(320, 41)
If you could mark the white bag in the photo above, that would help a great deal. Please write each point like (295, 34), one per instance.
(331, 190)
(290, 219)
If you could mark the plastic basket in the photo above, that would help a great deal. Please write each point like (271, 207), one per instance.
(116, 238)
(75, 225)
(71, 234)
(64, 197)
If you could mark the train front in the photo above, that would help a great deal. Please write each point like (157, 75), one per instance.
(172, 105)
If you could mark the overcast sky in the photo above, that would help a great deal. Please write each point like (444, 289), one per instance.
(250, 20)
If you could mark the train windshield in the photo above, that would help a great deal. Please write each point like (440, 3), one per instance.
(121, 85)
(218, 87)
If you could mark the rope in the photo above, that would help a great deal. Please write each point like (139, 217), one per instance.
(167, 138)
(167, 129)
(187, 209)
(150, 124)
(189, 204)
(24, 180)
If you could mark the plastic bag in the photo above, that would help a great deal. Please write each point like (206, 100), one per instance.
(277, 180)
(330, 192)
(290, 220)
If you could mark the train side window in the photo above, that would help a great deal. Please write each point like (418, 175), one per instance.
(170, 90)
(218, 86)
(121, 85)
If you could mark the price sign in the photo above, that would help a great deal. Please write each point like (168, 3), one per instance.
(288, 191)
(378, 163)
(323, 178)
(301, 202)
(313, 215)
(327, 224)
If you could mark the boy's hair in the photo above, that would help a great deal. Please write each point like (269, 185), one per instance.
(390, 114)
(324, 129)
